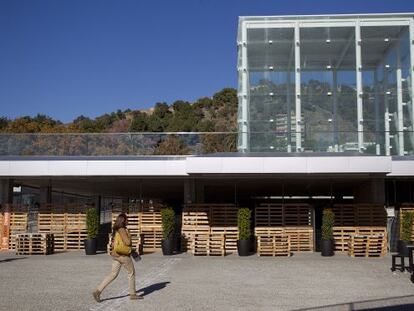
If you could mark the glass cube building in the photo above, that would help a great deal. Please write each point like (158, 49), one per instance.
(326, 84)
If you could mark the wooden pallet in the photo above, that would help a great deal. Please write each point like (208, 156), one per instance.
(210, 219)
(34, 244)
(18, 225)
(359, 215)
(151, 239)
(209, 245)
(273, 245)
(341, 237)
(367, 246)
(343, 234)
(300, 237)
(231, 235)
(276, 215)
(67, 223)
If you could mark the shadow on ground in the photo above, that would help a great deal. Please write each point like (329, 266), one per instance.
(11, 259)
(385, 304)
(144, 291)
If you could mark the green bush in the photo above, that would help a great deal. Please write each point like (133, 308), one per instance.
(328, 221)
(243, 222)
(92, 223)
(406, 226)
(168, 222)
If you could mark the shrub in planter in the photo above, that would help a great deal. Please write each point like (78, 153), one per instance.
(168, 229)
(92, 228)
(406, 232)
(327, 243)
(243, 222)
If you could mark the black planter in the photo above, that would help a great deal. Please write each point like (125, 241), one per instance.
(90, 246)
(402, 247)
(243, 247)
(168, 246)
(327, 248)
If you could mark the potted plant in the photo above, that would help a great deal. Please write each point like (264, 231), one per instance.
(168, 229)
(406, 232)
(92, 228)
(327, 243)
(243, 223)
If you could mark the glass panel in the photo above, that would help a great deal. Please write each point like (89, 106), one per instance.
(271, 88)
(328, 87)
(385, 69)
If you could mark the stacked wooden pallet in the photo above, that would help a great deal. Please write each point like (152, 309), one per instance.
(151, 226)
(18, 223)
(214, 219)
(291, 220)
(34, 244)
(359, 215)
(342, 235)
(66, 222)
(209, 245)
(357, 219)
(367, 246)
(272, 241)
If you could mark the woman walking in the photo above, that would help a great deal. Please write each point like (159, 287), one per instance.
(121, 256)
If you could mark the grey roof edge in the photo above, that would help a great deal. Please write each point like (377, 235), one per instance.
(345, 16)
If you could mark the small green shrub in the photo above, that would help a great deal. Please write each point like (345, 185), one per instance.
(328, 221)
(406, 226)
(243, 222)
(168, 222)
(92, 223)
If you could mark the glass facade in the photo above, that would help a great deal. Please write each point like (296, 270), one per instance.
(326, 84)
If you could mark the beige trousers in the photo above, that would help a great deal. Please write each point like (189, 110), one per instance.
(117, 262)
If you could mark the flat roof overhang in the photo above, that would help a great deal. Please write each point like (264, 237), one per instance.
(221, 164)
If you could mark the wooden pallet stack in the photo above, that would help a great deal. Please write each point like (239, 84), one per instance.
(66, 222)
(272, 242)
(357, 219)
(208, 245)
(34, 244)
(291, 220)
(18, 223)
(367, 245)
(210, 219)
(151, 226)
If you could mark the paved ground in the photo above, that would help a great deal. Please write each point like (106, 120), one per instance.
(182, 282)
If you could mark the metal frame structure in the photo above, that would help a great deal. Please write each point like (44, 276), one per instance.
(404, 110)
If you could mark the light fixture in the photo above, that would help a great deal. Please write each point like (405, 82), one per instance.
(329, 93)
(270, 41)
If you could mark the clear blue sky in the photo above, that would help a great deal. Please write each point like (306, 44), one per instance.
(65, 58)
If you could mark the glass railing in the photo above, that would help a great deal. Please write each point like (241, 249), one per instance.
(196, 143)
(117, 144)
